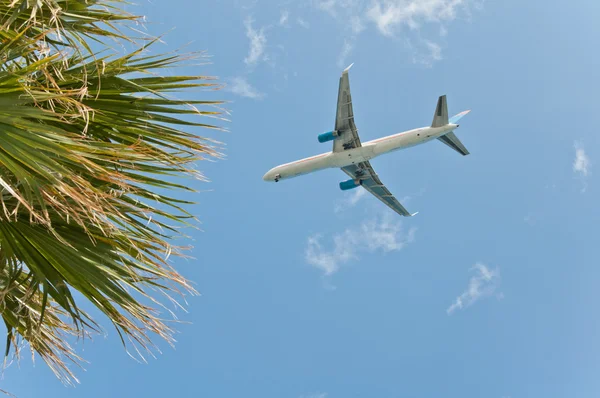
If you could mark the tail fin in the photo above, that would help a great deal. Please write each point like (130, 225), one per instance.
(440, 117)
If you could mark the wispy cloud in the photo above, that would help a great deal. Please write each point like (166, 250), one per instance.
(283, 19)
(483, 284)
(258, 43)
(427, 53)
(346, 50)
(349, 14)
(303, 23)
(240, 86)
(380, 234)
(315, 395)
(390, 17)
(435, 51)
(350, 200)
(329, 6)
(356, 24)
(581, 164)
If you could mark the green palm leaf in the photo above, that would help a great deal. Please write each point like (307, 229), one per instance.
(89, 144)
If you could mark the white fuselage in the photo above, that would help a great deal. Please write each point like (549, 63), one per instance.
(367, 151)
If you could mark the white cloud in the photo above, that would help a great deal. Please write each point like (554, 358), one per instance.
(240, 86)
(483, 284)
(330, 6)
(581, 164)
(258, 43)
(248, 4)
(435, 51)
(315, 395)
(283, 19)
(431, 54)
(390, 16)
(356, 24)
(303, 23)
(346, 50)
(383, 234)
(350, 201)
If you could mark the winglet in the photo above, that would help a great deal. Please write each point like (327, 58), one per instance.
(348, 68)
(414, 214)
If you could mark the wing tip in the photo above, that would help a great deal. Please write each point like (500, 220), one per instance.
(414, 214)
(348, 68)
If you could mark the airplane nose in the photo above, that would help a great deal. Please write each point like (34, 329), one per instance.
(269, 176)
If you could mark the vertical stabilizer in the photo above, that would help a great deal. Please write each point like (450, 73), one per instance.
(440, 118)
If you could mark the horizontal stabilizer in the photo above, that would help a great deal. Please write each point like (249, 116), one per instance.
(453, 142)
(457, 117)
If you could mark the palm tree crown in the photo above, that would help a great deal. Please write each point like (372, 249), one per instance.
(89, 146)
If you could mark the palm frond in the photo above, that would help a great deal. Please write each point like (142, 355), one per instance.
(89, 145)
(65, 23)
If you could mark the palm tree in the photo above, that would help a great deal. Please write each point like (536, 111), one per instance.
(90, 144)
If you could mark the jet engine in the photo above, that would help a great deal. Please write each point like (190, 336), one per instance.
(350, 184)
(328, 136)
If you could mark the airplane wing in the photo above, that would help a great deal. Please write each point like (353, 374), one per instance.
(344, 118)
(372, 183)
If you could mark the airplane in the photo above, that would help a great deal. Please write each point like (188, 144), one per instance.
(352, 156)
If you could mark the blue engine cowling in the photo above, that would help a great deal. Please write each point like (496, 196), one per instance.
(350, 184)
(328, 136)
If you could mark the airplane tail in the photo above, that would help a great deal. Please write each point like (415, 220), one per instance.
(440, 119)
(458, 116)
(453, 142)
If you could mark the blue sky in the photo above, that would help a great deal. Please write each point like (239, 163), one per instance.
(311, 292)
